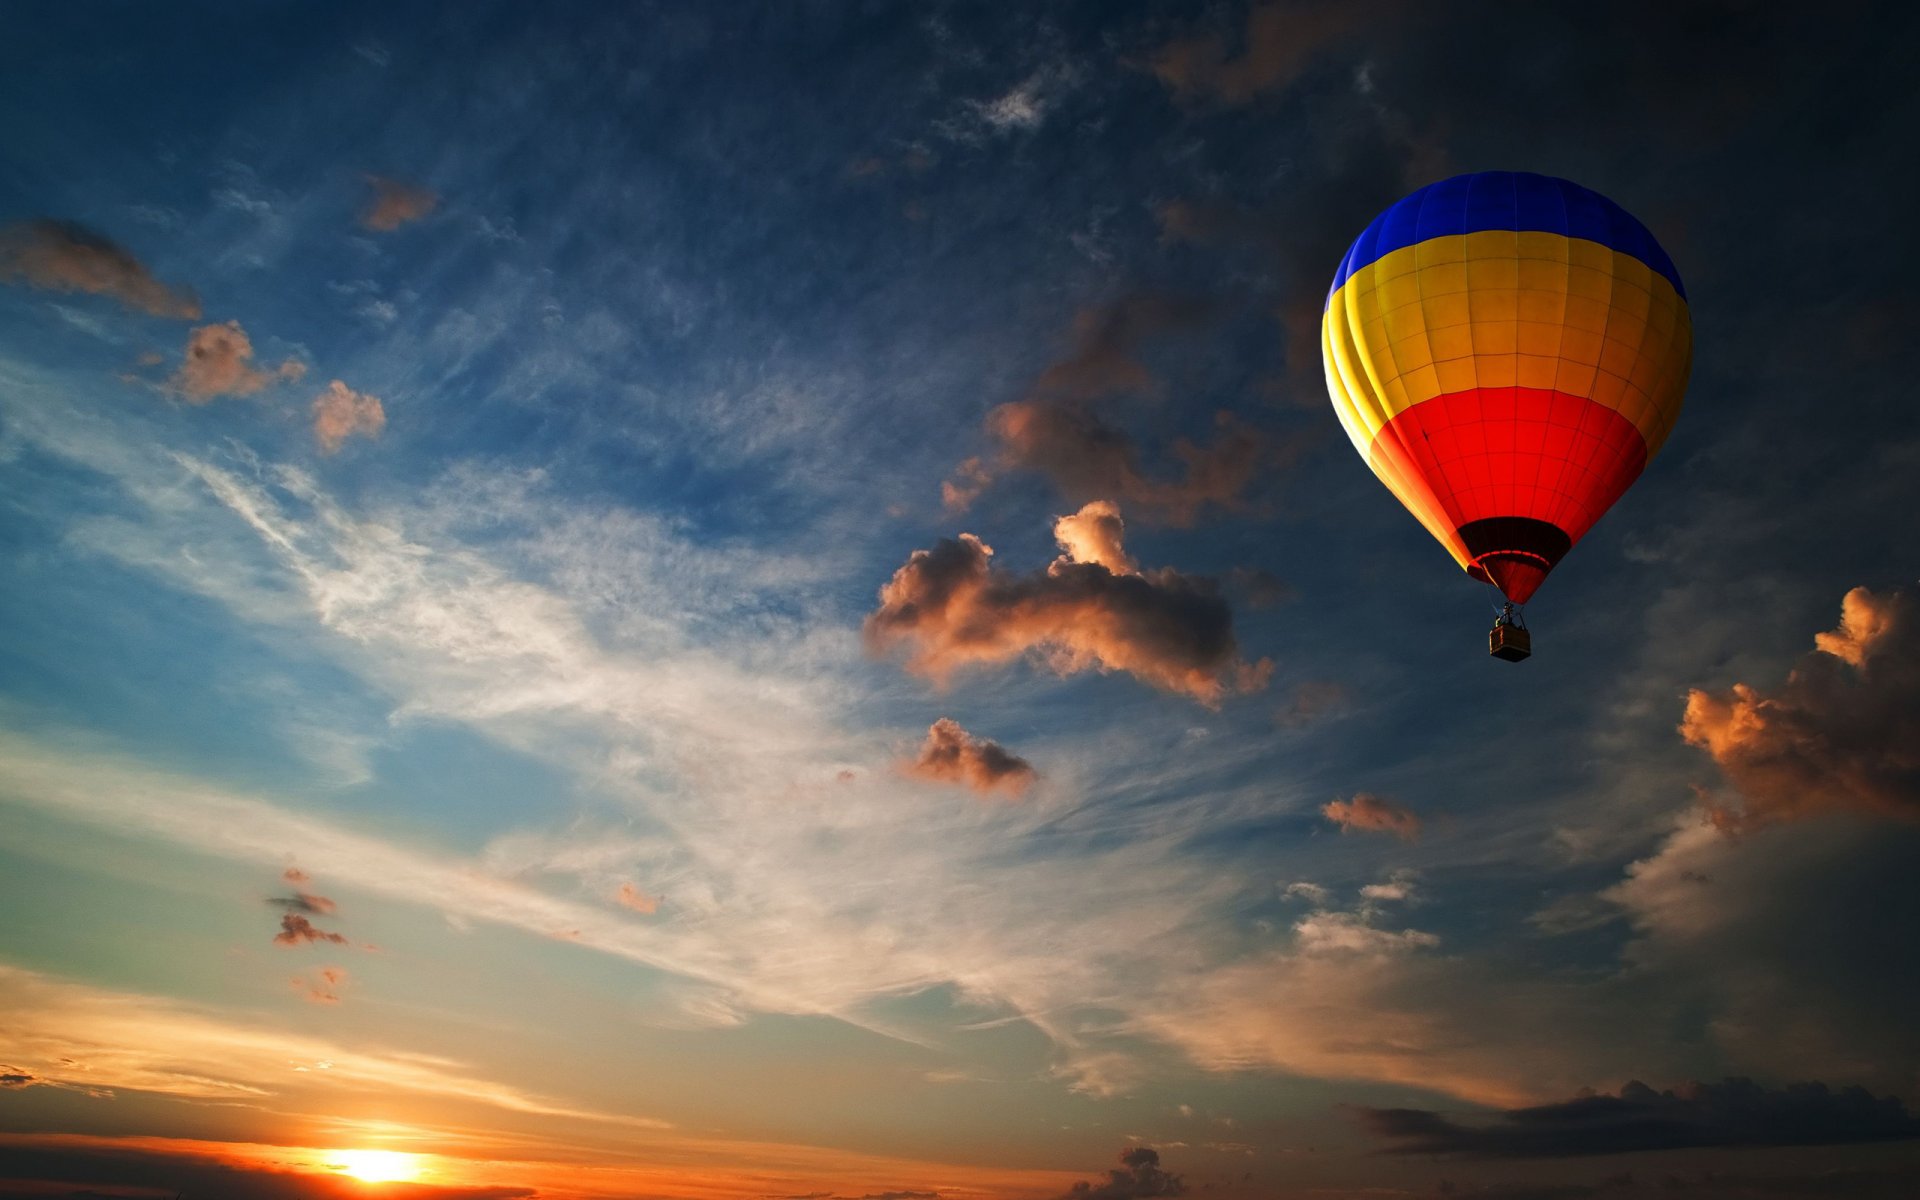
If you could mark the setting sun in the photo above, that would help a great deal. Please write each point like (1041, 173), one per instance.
(379, 1166)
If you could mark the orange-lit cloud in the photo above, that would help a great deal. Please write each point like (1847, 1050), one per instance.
(296, 930)
(340, 413)
(1368, 813)
(219, 362)
(63, 256)
(637, 900)
(1055, 428)
(395, 204)
(321, 987)
(952, 755)
(1086, 457)
(949, 609)
(1096, 534)
(1841, 734)
(1279, 42)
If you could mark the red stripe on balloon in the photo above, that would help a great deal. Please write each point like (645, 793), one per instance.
(1511, 452)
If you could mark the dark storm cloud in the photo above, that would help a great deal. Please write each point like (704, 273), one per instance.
(1736, 1112)
(1138, 1176)
(952, 755)
(1841, 734)
(948, 608)
(1057, 429)
(65, 1170)
(64, 256)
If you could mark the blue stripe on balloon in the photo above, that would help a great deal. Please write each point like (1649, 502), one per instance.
(1505, 200)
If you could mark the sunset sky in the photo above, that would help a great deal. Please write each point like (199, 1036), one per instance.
(480, 715)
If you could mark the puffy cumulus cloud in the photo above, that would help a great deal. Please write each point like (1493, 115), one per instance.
(1096, 534)
(62, 256)
(949, 608)
(219, 362)
(297, 930)
(1280, 41)
(1139, 1175)
(1056, 430)
(340, 413)
(1368, 813)
(395, 204)
(1841, 734)
(1737, 1112)
(632, 897)
(952, 755)
(321, 987)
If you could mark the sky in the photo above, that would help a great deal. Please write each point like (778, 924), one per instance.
(766, 600)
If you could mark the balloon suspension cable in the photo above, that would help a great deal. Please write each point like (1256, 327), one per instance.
(1506, 612)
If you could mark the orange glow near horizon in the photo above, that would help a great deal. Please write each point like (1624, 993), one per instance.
(378, 1166)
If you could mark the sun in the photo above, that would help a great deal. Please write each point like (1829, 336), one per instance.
(378, 1166)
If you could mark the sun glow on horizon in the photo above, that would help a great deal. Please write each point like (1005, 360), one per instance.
(378, 1166)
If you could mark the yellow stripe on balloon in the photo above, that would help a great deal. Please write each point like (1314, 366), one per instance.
(1505, 308)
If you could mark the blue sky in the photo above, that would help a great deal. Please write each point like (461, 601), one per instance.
(684, 317)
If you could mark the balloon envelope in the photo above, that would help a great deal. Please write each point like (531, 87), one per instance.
(1507, 351)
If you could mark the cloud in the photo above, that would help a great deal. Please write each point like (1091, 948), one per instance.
(637, 900)
(1354, 933)
(340, 412)
(950, 609)
(63, 256)
(1737, 1112)
(1096, 534)
(1368, 813)
(395, 204)
(296, 930)
(219, 362)
(952, 755)
(11, 1077)
(1312, 700)
(1841, 734)
(1280, 41)
(304, 902)
(1055, 430)
(323, 986)
(1138, 1176)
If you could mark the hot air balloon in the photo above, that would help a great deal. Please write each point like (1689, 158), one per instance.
(1507, 352)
